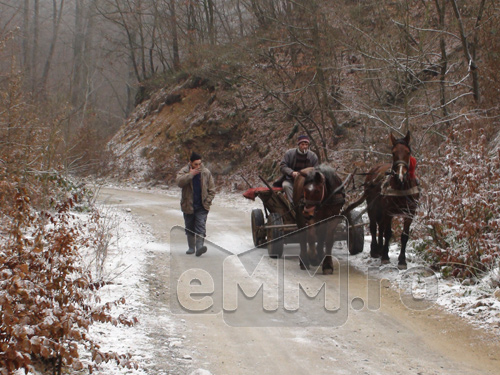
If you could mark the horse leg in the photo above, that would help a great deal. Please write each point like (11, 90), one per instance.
(381, 234)
(327, 262)
(374, 248)
(387, 233)
(404, 240)
(303, 259)
(311, 248)
(320, 244)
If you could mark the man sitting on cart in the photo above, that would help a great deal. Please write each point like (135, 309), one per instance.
(295, 160)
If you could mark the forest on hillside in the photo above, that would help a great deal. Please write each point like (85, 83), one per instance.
(75, 74)
(323, 66)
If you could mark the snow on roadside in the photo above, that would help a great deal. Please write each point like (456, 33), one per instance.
(478, 303)
(125, 271)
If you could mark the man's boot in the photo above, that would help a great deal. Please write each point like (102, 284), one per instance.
(200, 248)
(191, 244)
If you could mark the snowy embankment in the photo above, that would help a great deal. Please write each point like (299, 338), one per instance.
(126, 275)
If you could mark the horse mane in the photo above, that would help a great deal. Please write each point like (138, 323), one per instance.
(332, 179)
(307, 175)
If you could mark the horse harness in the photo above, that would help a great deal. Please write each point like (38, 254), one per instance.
(387, 190)
(390, 192)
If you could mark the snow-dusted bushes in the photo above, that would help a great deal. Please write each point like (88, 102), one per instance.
(462, 205)
(47, 298)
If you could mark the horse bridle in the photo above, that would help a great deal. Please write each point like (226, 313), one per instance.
(307, 202)
(396, 164)
(317, 204)
(399, 163)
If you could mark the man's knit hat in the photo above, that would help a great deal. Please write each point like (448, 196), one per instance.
(302, 138)
(194, 156)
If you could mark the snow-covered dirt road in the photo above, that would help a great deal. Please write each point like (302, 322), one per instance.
(385, 337)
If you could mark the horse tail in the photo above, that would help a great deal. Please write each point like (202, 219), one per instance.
(353, 205)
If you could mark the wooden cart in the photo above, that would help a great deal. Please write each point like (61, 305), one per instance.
(274, 226)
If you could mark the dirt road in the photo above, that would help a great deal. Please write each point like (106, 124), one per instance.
(359, 339)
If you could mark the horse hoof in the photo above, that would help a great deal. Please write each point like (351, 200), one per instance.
(303, 266)
(374, 255)
(315, 262)
(327, 271)
(385, 261)
(402, 266)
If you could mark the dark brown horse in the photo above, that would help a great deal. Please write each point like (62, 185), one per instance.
(391, 190)
(318, 195)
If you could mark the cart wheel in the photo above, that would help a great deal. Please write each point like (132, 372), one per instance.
(356, 232)
(258, 234)
(275, 236)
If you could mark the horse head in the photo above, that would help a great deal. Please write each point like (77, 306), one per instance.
(314, 192)
(401, 153)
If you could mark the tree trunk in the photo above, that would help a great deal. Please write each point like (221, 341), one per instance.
(35, 46)
(320, 78)
(57, 15)
(471, 62)
(209, 15)
(142, 49)
(240, 18)
(441, 8)
(131, 44)
(88, 63)
(175, 40)
(474, 44)
(26, 44)
(191, 26)
(78, 43)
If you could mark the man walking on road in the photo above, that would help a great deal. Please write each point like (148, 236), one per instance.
(198, 191)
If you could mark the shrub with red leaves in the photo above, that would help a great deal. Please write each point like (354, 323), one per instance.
(462, 208)
(45, 294)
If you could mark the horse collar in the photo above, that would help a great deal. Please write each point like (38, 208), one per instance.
(388, 191)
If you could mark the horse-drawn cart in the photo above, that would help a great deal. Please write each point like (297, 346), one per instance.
(274, 226)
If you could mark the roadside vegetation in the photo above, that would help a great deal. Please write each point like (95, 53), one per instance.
(461, 212)
(48, 289)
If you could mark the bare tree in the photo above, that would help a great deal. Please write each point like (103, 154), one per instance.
(76, 87)
(468, 46)
(208, 6)
(441, 10)
(35, 45)
(56, 23)
(175, 38)
(26, 64)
